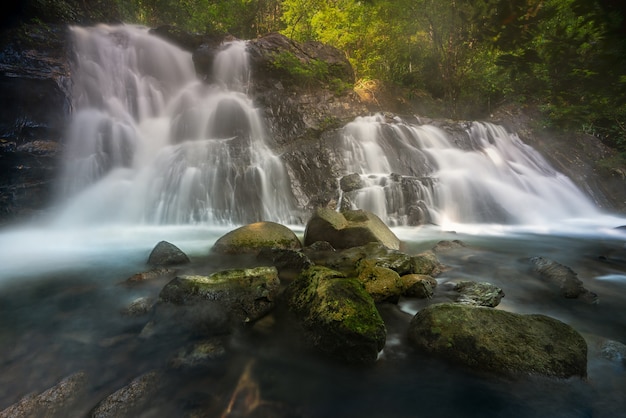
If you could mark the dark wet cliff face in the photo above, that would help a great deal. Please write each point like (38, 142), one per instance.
(34, 86)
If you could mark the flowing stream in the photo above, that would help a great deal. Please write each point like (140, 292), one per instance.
(154, 154)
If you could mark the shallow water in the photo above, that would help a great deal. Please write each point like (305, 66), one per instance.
(60, 303)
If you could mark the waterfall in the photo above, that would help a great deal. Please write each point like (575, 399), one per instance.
(150, 143)
(413, 173)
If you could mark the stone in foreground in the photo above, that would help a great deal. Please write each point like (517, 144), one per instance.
(339, 317)
(499, 342)
(251, 238)
(351, 228)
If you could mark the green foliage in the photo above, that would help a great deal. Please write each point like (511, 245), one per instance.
(567, 55)
(309, 73)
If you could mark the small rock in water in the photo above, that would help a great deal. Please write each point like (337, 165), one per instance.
(138, 307)
(201, 355)
(613, 350)
(478, 293)
(150, 275)
(167, 254)
(565, 278)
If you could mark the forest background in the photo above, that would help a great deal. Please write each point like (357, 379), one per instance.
(565, 57)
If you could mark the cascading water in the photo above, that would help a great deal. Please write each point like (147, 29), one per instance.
(150, 143)
(414, 173)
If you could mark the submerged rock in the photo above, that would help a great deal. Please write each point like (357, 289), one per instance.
(339, 317)
(562, 276)
(499, 342)
(151, 275)
(130, 400)
(138, 307)
(348, 229)
(60, 400)
(201, 355)
(209, 305)
(250, 239)
(167, 254)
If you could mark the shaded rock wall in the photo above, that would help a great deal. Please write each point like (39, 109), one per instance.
(34, 86)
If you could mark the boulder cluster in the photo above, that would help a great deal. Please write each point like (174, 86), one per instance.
(331, 285)
(329, 291)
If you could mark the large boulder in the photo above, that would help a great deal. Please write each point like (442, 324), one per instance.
(499, 342)
(348, 229)
(214, 304)
(339, 317)
(250, 239)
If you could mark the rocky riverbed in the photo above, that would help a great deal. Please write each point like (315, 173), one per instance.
(273, 330)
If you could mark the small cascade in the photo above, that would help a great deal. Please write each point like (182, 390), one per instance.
(411, 174)
(150, 143)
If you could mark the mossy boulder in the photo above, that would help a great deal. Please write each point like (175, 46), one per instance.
(418, 285)
(214, 304)
(338, 316)
(348, 229)
(382, 283)
(426, 263)
(499, 342)
(167, 254)
(251, 238)
(347, 260)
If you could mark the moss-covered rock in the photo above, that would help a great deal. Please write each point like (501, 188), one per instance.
(251, 238)
(426, 263)
(348, 229)
(499, 342)
(383, 284)
(418, 285)
(209, 305)
(339, 317)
